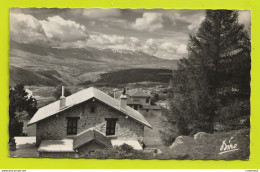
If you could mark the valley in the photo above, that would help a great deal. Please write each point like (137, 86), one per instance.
(73, 66)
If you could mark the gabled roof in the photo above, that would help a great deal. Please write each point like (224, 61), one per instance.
(82, 96)
(138, 93)
(91, 135)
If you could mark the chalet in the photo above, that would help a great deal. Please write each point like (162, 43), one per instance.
(85, 121)
(141, 101)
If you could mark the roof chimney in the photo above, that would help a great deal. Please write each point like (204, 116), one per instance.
(123, 98)
(114, 91)
(62, 98)
(122, 104)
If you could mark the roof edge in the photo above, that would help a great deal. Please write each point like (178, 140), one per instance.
(120, 110)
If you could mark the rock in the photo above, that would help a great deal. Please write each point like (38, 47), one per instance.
(158, 151)
(180, 140)
(199, 135)
(154, 151)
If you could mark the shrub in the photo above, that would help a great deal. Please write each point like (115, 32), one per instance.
(127, 148)
(119, 152)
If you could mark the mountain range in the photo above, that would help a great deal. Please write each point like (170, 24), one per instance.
(40, 65)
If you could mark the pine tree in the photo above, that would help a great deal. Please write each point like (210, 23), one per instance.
(215, 73)
(19, 102)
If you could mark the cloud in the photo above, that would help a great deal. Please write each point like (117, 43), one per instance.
(54, 30)
(194, 24)
(134, 42)
(167, 46)
(157, 47)
(150, 46)
(58, 29)
(172, 51)
(191, 19)
(163, 49)
(113, 41)
(244, 17)
(102, 39)
(181, 49)
(101, 13)
(65, 31)
(149, 22)
(25, 28)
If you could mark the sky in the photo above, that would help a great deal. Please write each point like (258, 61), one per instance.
(160, 32)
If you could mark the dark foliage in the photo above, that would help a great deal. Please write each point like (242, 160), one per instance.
(135, 75)
(15, 128)
(19, 102)
(155, 98)
(127, 148)
(119, 152)
(214, 76)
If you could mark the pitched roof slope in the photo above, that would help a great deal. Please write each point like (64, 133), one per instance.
(82, 96)
(89, 135)
(65, 145)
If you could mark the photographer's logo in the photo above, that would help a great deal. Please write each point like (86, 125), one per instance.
(228, 146)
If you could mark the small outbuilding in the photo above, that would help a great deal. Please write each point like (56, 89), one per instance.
(90, 140)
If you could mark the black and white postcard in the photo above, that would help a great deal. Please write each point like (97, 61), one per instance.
(129, 83)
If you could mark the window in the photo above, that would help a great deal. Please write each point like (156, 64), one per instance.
(111, 126)
(147, 100)
(147, 110)
(135, 107)
(72, 125)
(92, 109)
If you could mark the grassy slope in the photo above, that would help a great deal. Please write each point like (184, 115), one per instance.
(27, 77)
(152, 136)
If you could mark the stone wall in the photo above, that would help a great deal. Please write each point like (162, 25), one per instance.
(55, 127)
